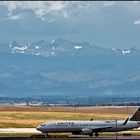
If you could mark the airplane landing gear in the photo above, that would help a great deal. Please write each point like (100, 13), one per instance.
(38, 136)
(46, 135)
(90, 135)
(96, 134)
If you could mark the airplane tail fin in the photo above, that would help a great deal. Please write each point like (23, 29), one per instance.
(136, 116)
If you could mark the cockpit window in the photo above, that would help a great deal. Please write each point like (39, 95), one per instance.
(43, 124)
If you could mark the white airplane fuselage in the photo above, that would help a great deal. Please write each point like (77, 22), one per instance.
(90, 127)
(87, 127)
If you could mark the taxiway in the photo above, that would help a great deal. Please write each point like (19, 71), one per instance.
(81, 138)
(32, 131)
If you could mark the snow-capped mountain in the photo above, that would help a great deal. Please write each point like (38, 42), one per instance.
(132, 50)
(60, 66)
(61, 47)
(54, 47)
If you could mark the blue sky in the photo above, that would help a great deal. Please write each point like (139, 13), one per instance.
(111, 24)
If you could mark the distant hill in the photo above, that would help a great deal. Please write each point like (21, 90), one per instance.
(65, 67)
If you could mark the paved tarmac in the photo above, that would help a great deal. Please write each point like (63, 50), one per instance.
(81, 138)
(18, 130)
(75, 137)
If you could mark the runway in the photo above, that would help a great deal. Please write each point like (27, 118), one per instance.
(81, 138)
(32, 131)
(19, 130)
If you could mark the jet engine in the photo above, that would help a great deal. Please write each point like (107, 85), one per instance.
(87, 132)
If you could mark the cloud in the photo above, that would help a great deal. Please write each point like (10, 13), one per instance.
(40, 8)
(58, 5)
(45, 10)
(108, 92)
(137, 22)
(108, 3)
(13, 17)
(135, 2)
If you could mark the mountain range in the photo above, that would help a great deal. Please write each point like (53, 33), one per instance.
(63, 67)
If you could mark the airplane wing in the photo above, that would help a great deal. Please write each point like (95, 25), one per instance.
(100, 129)
(87, 131)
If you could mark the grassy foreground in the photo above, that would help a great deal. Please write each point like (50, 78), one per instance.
(32, 119)
(13, 117)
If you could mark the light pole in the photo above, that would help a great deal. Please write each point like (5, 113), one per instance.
(116, 129)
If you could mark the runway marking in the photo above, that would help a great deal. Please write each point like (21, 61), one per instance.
(18, 130)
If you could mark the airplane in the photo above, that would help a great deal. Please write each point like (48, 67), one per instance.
(91, 127)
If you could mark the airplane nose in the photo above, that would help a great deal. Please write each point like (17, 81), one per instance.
(39, 128)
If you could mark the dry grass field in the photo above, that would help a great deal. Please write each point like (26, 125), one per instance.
(28, 116)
